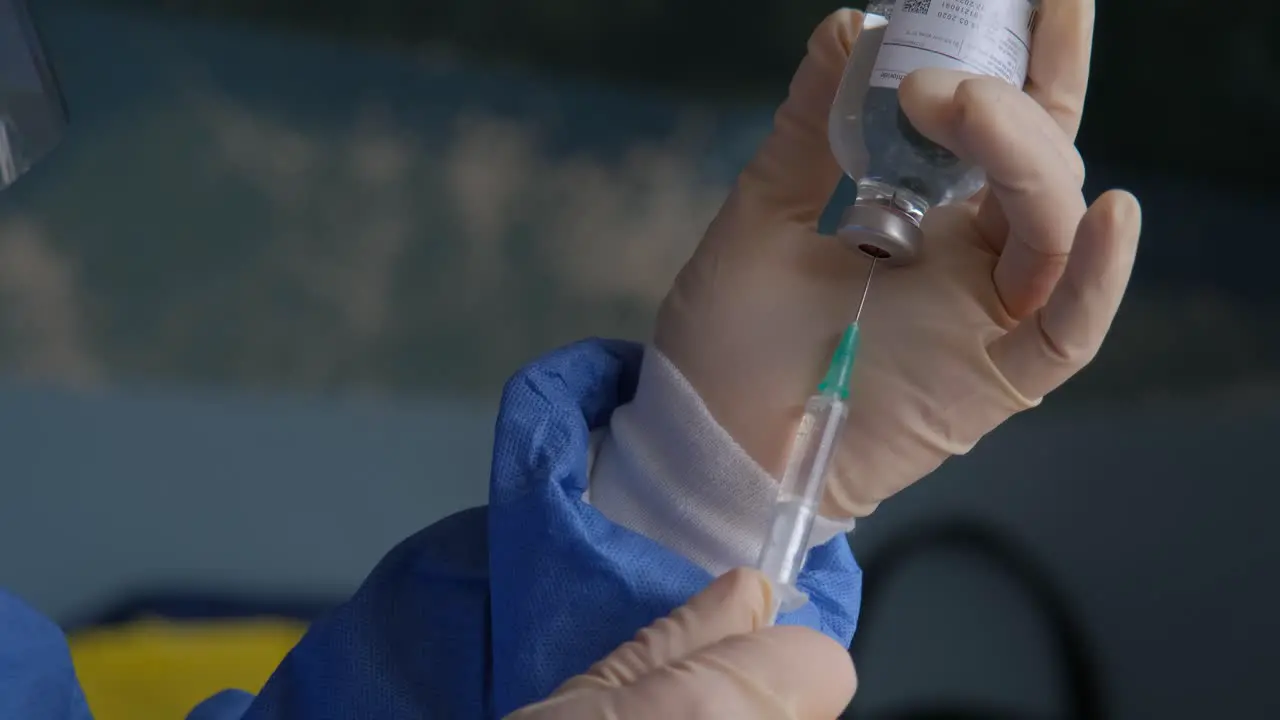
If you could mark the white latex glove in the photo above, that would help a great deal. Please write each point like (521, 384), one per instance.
(712, 659)
(1013, 295)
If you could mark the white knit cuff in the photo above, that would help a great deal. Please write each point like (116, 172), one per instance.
(667, 470)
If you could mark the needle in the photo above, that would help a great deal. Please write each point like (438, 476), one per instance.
(803, 482)
(865, 289)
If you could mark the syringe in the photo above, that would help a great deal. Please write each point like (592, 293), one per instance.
(804, 477)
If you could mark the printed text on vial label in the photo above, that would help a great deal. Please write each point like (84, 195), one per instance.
(986, 37)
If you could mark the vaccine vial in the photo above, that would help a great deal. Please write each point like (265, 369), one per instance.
(900, 173)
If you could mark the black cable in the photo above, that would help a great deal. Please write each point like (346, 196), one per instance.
(1085, 696)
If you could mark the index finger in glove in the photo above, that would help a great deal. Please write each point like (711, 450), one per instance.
(1058, 72)
(780, 673)
(1057, 79)
(1063, 336)
(1032, 169)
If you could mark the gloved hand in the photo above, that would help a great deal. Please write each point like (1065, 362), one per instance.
(712, 658)
(1013, 295)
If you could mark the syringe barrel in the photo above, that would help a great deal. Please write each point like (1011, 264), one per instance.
(805, 477)
(783, 553)
(801, 489)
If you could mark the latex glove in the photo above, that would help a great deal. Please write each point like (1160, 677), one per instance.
(1014, 294)
(713, 658)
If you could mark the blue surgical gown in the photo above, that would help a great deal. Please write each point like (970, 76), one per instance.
(483, 612)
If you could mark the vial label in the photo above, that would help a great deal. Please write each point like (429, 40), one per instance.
(985, 37)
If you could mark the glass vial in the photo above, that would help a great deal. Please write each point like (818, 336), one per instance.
(900, 173)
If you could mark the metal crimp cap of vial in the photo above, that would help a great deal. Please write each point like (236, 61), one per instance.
(882, 231)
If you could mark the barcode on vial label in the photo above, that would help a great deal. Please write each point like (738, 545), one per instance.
(919, 7)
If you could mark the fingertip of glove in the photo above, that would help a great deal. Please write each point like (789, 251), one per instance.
(1123, 210)
(814, 644)
(748, 587)
(839, 29)
(821, 668)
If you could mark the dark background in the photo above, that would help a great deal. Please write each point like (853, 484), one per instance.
(1172, 92)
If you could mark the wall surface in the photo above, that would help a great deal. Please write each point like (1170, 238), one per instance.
(1157, 520)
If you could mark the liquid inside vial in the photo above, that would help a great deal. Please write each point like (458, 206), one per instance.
(895, 166)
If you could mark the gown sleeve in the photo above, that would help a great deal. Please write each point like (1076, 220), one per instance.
(485, 611)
